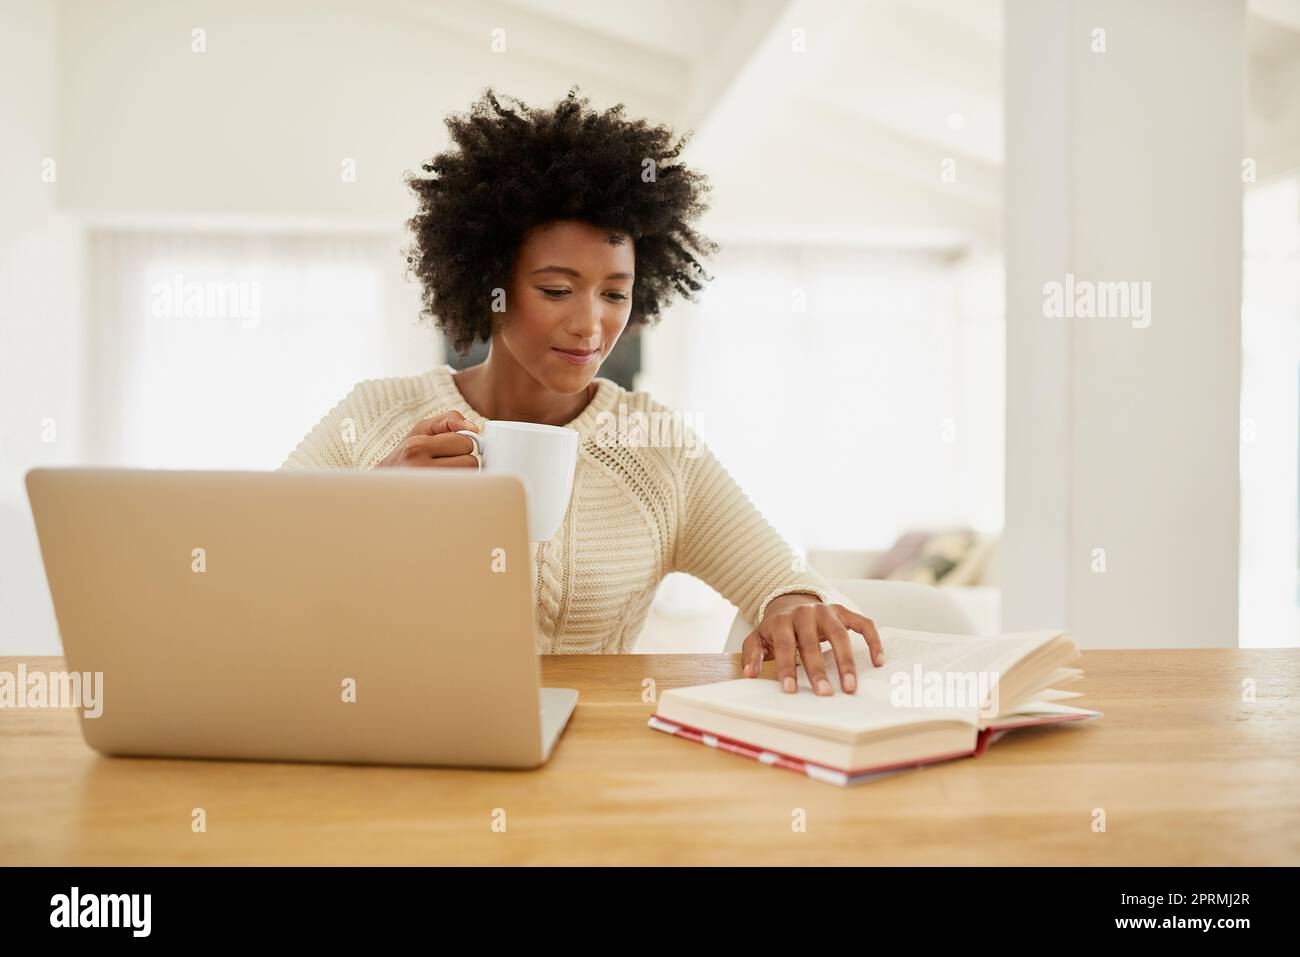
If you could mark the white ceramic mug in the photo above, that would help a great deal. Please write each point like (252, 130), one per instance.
(543, 457)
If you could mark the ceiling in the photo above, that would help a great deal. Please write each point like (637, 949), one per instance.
(854, 127)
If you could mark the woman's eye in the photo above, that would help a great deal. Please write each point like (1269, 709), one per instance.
(618, 296)
(555, 293)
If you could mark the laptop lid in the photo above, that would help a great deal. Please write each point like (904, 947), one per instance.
(358, 616)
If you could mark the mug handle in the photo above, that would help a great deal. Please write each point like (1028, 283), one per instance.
(478, 446)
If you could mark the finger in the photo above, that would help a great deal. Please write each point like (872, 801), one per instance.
(838, 636)
(810, 649)
(451, 421)
(751, 655)
(867, 629)
(453, 462)
(438, 446)
(781, 634)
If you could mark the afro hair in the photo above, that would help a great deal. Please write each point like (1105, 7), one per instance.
(511, 169)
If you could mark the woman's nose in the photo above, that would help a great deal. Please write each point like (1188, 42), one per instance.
(585, 320)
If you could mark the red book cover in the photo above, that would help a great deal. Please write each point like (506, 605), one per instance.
(843, 776)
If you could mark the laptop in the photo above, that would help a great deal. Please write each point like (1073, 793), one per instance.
(376, 617)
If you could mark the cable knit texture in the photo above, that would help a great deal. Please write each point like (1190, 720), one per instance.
(638, 511)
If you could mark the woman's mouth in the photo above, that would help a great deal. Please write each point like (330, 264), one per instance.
(579, 357)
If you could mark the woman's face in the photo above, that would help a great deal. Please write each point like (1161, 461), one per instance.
(569, 300)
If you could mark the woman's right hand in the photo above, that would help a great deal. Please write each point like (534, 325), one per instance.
(433, 443)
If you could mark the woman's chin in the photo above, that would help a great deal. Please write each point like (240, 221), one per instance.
(566, 378)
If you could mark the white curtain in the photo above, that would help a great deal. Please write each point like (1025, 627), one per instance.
(268, 333)
(853, 394)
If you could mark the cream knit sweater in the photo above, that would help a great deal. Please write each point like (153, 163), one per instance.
(637, 512)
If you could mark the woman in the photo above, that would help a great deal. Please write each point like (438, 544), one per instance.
(546, 233)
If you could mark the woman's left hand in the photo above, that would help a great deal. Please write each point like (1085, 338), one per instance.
(798, 623)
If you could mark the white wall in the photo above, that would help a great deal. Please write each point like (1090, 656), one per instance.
(40, 329)
(262, 121)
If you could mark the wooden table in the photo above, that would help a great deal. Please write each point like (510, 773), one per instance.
(1184, 769)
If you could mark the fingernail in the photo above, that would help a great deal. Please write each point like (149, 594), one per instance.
(824, 686)
(749, 670)
(787, 683)
(850, 681)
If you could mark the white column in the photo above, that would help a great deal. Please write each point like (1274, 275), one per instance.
(1124, 143)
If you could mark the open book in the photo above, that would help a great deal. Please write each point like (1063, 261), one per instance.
(935, 698)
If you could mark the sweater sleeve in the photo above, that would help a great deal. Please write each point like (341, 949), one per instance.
(332, 442)
(725, 541)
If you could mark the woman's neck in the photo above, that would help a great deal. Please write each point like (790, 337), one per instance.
(500, 388)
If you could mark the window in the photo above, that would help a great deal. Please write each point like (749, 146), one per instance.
(1270, 416)
(222, 351)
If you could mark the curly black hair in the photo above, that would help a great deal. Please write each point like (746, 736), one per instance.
(512, 169)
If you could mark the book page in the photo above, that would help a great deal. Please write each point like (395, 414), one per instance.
(883, 702)
(1053, 694)
(922, 669)
(964, 653)
(843, 716)
(1047, 707)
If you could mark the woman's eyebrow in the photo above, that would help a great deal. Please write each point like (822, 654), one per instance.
(573, 272)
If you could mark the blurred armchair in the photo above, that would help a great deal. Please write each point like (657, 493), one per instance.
(963, 564)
